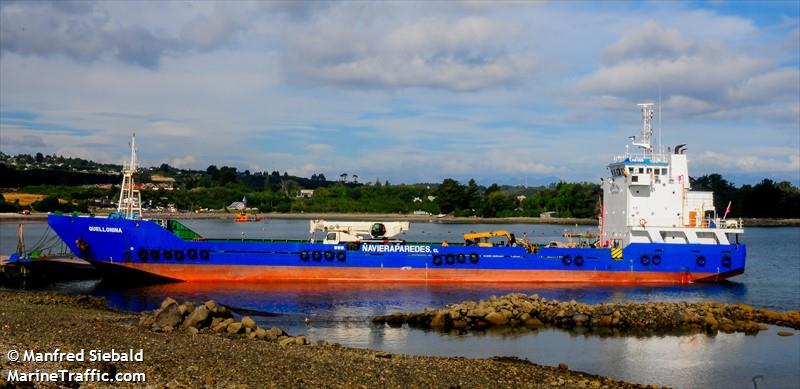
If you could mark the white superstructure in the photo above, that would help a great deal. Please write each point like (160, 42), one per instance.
(648, 198)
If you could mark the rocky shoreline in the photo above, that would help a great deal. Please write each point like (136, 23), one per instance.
(533, 312)
(201, 345)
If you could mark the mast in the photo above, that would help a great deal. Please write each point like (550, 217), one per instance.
(130, 200)
(645, 143)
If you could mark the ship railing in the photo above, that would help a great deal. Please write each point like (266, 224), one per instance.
(730, 223)
(641, 158)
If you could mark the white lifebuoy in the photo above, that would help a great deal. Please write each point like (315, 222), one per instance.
(642, 222)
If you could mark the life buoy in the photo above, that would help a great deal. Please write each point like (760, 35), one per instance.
(727, 261)
(167, 255)
(461, 258)
(204, 255)
(656, 260)
(143, 254)
(155, 255)
(642, 222)
(473, 258)
(644, 259)
(437, 260)
(179, 255)
(701, 261)
(191, 253)
(566, 260)
(578, 260)
(316, 256)
(450, 259)
(328, 255)
(304, 256)
(341, 256)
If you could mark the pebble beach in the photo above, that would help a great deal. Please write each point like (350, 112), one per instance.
(180, 357)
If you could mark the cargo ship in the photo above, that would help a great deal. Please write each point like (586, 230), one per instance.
(652, 228)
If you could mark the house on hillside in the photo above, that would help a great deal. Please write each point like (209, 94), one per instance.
(239, 205)
(306, 193)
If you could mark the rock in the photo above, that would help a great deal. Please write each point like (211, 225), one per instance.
(193, 331)
(383, 354)
(251, 335)
(219, 328)
(301, 341)
(223, 311)
(460, 324)
(273, 333)
(147, 321)
(199, 318)
(396, 319)
(286, 340)
(183, 309)
(785, 333)
(439, 321)
(215, 320)
(248, 323)
(211, 305)
(580, 319)
(235, 328)
(168, 301)
(260, 333)
(710, 322)
(563, 366)
(533, 323)
(168, 315)
(496, 318)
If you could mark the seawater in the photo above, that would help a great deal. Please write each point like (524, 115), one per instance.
(341, 312)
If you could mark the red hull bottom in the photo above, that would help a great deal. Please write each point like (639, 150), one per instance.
(209, 273)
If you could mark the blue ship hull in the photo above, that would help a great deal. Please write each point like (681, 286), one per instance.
(147, 247)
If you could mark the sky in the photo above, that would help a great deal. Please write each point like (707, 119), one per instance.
(515, 93)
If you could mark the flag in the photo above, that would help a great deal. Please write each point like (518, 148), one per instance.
(727, 210)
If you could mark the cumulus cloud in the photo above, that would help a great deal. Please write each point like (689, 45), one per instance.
(87, 33)
(462, 54)
(698, 77)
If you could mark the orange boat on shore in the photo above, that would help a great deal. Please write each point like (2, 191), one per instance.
(244, 217)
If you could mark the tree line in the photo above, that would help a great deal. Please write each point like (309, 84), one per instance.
(217, 187)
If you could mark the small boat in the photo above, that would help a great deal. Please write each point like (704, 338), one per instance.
(244, 217)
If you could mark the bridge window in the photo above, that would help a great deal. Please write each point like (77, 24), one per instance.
(664, 171)
(641, 170)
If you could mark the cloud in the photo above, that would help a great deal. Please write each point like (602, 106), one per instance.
(28, 141)
(320, 148)
(85, 32)
(650, 42)
(698, 77)
(185, 162)
(210, 32)
(168, 128)
(49, 28)
(462, 54)
(746, 162)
